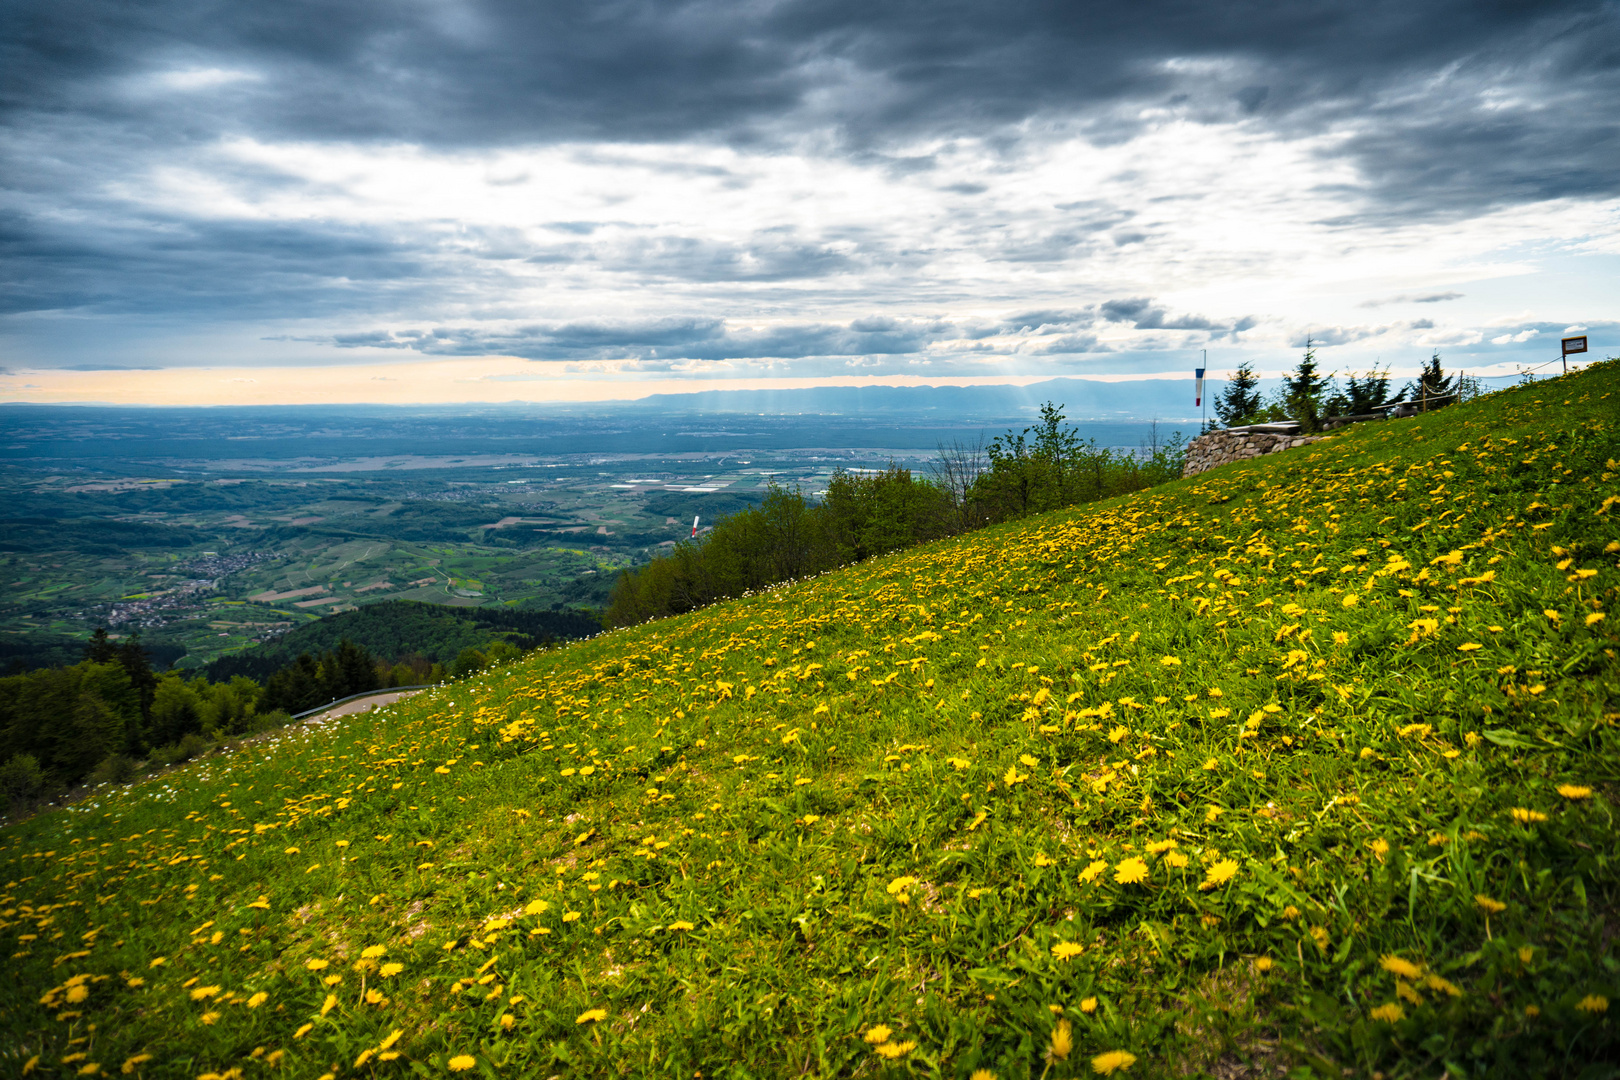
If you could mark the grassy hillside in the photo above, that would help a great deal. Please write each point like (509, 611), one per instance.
(1304, 763)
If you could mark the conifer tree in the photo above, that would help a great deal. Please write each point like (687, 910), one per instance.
(1303, 390)
(1240, 401)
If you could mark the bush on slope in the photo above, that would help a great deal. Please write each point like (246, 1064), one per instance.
(1309, 760)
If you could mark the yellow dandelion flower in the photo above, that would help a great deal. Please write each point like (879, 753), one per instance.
(1063, 950)
(1490, 907)
(1176, 859)
(1169, 661)
(134, 1062)
(1219, 873)
(461, 1063)
(900, 885)
(1389, 1014)
(318, 965)
(982, 1074)
(895, 1050)
(1088, 1006)
(1062, 1043)
(202, 993)
(1469, 646)
(591, 1016)
(1574, 791)
(371, 952)
(1090, 873)
(878, 1033)
(209, 1017)
(570, 916)
(30, 1065)
(1395, 965)
(1263, 964)
(1526, 816)
(681, 924)
(1109, 1063)
(135, 982)
(77, 994)
(258, 999)
(329, 1004)
(1593, 1003)
(388, 971)
(393, 1038)
(536, 907)
(1130, 871)
(305, 1030)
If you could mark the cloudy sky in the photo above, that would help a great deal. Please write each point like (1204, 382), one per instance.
(440, 200)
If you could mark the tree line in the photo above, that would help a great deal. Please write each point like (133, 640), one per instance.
(1309, 397)
(861, 514)
(100, 719)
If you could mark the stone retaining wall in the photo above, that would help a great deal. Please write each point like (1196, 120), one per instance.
(1241, 444)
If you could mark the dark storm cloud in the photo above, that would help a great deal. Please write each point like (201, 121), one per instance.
(1143, 314)
(487, 72)
(1453, 107)
(663, 339)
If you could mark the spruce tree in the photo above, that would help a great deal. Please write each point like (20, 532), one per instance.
(1239, 402)
(1433, 383)
(1302, 391)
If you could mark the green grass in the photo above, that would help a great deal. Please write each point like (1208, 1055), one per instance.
(1348, 712)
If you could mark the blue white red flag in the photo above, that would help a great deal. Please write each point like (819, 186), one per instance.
(1198, 387)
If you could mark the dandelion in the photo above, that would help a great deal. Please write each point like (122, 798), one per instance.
(982, 1074)
(536, 907)
(877, 1033)
(305, 1030)
(461, 1063)
(1263, 964)
(1574, 791)
(1130, 871)
(1593, 1003)
(570, 916)
(896, 1050)
(900, 885)
(317, 965)
(1063, 950)
(1062, 1043)
(1219, 874)
(1088, 1006)
(1109, 1063)
(1526, 816)
(591, 1016)
(1389, 1014)
(388, 971)
(258, 999)
(1491, 907)
(1397, 966)
(681, 924)
(203, 993)
(329, 1004)
(372, 952)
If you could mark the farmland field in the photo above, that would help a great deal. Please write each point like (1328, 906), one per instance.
(1305, 764)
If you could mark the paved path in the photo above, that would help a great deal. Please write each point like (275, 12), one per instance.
(365, 704)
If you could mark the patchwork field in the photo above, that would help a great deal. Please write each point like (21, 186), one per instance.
(1303, 766)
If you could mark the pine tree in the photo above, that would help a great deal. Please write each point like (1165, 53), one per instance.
(1368, 393)
(1433, 383)
(1239, 402)
(1302, 391)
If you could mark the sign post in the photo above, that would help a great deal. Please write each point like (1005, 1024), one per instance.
(1572, 345)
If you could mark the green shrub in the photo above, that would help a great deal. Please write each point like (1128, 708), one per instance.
(21, 778)
(115, 768)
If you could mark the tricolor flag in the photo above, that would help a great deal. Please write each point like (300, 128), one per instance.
(1198, 387)
(694, 526)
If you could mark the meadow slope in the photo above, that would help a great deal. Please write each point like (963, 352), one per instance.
(1307, 763)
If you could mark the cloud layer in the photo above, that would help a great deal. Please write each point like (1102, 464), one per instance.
(670, 185)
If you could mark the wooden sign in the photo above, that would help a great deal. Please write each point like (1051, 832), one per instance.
(1574, 345)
